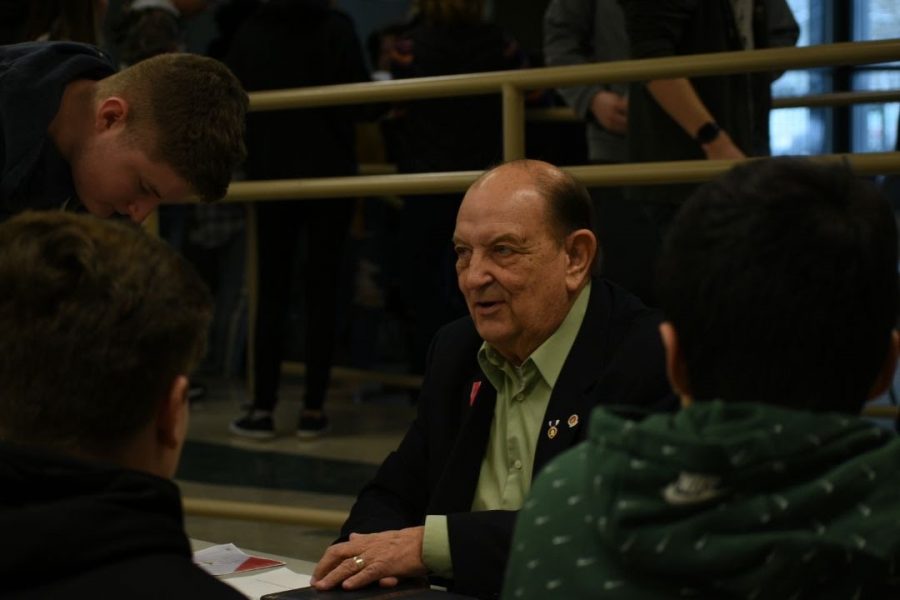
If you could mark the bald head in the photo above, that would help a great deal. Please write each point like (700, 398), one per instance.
(567, 203)
(522, 256)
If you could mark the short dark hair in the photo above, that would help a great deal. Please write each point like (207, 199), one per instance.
(780, 279)
(189, 111)
(98, 318)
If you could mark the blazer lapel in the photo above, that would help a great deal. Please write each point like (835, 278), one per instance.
(456, 487)
(571, 402)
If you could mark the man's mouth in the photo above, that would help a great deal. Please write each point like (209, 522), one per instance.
(487, 305)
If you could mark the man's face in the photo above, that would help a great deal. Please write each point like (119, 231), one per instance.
(114, 175)
(510, 265)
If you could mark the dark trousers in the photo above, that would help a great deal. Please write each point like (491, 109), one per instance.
(280, 225)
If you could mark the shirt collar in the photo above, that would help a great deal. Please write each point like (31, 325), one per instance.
(550, 356)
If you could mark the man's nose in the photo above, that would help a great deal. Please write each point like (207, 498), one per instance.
(139, 210)
(477, 273)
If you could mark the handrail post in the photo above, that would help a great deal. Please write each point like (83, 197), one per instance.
(513, 122)
(251, 274)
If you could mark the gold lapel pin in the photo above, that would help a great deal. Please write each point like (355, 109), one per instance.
(573, 421)
(551, 428)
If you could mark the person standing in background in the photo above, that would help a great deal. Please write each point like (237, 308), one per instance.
(447, 37)
(51, 20)
(150, 27)
(719, 117)
(290, 44)
(586, 31)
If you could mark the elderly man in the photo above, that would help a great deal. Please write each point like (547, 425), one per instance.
(506, 389)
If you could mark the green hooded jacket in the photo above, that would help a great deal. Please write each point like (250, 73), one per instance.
(717, 501)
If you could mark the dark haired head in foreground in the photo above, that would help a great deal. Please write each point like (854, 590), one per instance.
(779, 285)
(101, 325)
(779, 282)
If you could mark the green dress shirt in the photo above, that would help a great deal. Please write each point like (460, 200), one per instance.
(523, 393)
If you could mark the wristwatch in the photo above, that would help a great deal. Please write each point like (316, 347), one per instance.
(707, 133)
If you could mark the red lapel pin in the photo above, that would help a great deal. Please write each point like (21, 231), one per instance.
(476, 385)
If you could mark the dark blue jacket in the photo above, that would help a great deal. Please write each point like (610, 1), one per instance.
(33, 77)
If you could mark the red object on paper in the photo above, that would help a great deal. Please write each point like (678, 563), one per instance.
(257, 562)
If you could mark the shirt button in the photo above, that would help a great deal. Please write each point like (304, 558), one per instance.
(518, 465)
(518, 397)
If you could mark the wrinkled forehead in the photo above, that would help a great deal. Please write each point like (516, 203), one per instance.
(506, 194)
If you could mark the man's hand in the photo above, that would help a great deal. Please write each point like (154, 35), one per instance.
(722, 148)
(384, 557)
(611, 111)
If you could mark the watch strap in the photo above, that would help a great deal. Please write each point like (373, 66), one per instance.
(708, 132)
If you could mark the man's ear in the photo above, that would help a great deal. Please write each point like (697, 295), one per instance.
(581, 250)
(171, 419)
(110, 112)
(885, 377)
(676, 368)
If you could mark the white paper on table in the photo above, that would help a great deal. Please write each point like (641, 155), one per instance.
(228, 558)
(259, 583)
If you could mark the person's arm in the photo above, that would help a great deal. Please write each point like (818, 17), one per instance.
(680, 101)
(385, 557)
(385, 524)
(569, 39)
(655, 30)
(479, 544)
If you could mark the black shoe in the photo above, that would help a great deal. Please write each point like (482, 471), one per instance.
(312, 426)
(258, 426)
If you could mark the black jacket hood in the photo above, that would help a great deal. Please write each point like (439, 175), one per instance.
(60, 516)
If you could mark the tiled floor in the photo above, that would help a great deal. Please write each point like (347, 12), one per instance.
(322, 473)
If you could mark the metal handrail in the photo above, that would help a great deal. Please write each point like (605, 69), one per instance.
(686, 171)
(565, 114)
(272, 513)
(837, 99)
(698, 65)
